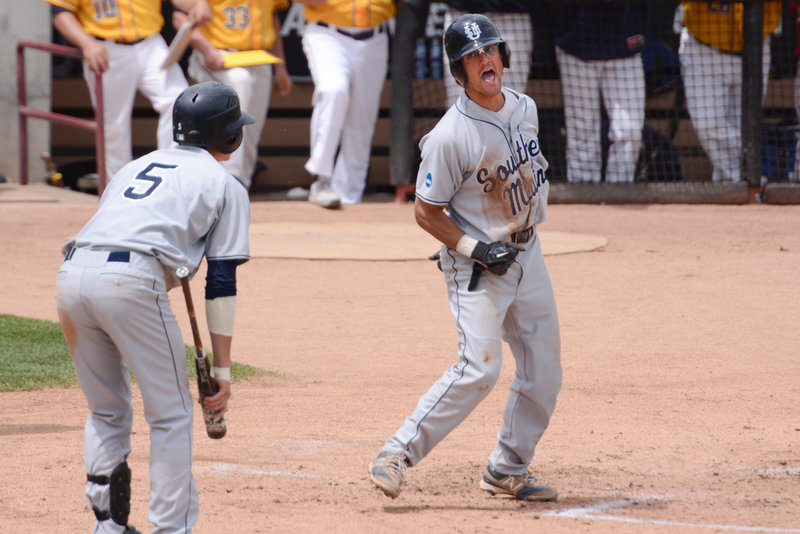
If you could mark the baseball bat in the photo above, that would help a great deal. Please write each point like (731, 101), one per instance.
(206, 385)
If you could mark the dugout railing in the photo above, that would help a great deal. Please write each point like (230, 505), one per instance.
(673, 166)
(95, 125)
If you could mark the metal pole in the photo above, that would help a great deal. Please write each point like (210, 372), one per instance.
(401, 152)
(97, 125)
(100, 135)
(23, 120)
(752, 91)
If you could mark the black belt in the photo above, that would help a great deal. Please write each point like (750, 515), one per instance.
(127, 43)
(358, 36)
(122, 256)
(522, 236)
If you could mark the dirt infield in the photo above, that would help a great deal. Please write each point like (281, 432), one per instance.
(680, 410)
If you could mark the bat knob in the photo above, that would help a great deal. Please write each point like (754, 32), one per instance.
(215, 428)
(182, 272)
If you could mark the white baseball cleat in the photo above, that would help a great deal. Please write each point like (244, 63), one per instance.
(321, 193)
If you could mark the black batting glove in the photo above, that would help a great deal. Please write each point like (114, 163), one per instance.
(497, 257)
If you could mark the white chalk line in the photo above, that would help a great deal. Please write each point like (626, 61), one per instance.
(577, 512)
(233, 468)
(584, 511)
(773, 472)
(591, 512)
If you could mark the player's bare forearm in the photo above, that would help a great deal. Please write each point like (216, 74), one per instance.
(67, 24)
(197, 10)
(212, 58)
(282, 81)
(221, 348)
(178, 18)
(277, 47)
(435, 221)
(94, 54)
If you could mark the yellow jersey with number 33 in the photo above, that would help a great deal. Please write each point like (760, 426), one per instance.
(242, 24)
(352, 13)
(121, 20)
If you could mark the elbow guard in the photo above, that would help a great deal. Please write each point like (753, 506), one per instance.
(221, 296)
(221, 315)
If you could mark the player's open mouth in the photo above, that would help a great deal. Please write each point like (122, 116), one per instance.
(489, 76)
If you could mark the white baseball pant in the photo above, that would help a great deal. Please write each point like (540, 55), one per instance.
(348, 79)
(133, 67)
(713, 84)
(116, 316)
(617, 84)
(518, 307)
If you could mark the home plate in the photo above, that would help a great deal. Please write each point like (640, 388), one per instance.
(376, 241)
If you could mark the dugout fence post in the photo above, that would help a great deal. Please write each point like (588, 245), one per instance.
(752, 91)
(401, 151)
(24, 111)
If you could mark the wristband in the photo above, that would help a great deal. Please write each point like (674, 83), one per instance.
(466, 245)
(221, 373)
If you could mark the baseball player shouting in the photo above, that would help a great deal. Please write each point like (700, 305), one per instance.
(481, 190)
(162, 211)
(121, 41)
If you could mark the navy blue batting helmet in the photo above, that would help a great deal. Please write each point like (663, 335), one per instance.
(467, 34)
(208, 115)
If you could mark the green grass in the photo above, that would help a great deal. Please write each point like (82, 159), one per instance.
(34, 355)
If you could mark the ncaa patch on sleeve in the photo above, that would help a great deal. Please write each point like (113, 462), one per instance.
(428, 180)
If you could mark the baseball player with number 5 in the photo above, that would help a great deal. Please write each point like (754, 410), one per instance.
(481, 190)
(163, 211)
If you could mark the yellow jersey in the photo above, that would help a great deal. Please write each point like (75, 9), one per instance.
(352, 13)
(121, 20)
(242, 24)
(719, 24)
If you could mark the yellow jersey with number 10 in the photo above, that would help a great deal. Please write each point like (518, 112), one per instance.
(121, 20)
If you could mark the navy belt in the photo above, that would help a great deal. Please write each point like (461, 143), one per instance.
(521, 236)
(358, 36)
(122, 256)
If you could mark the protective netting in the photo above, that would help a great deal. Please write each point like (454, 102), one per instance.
(643, 91)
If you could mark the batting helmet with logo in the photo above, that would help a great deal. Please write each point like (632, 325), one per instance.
(208, 115)
(469, 33)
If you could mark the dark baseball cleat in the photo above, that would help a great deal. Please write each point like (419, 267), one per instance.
(387, 472)
(130, 529)
(523, 487)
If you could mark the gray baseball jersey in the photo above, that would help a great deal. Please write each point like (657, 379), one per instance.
(176, 205)
(164, 210)
(486, 167)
